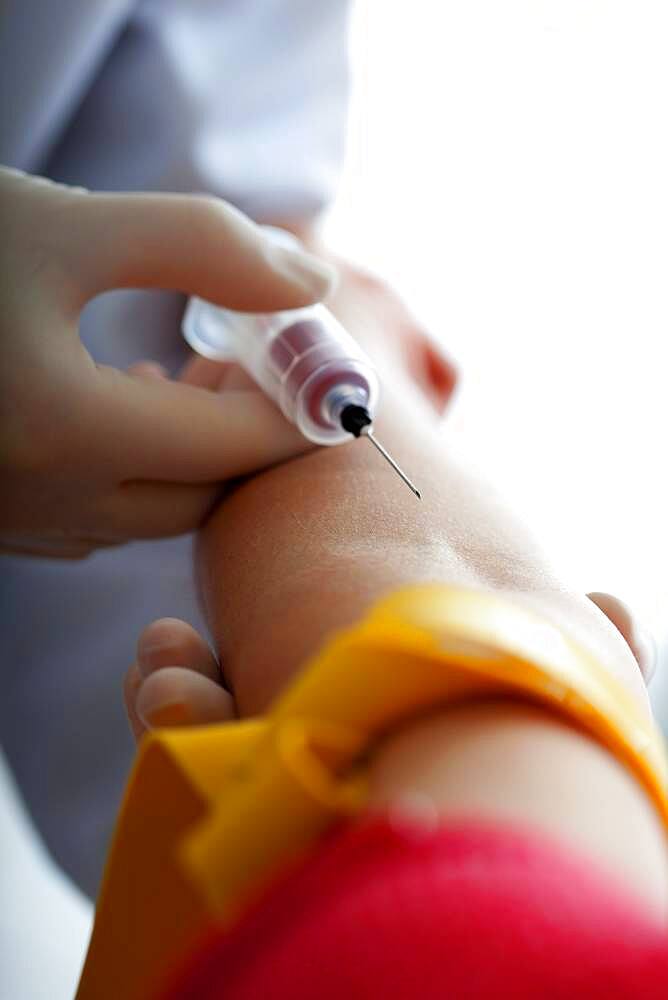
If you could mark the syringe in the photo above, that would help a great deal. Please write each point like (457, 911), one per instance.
(304, 360)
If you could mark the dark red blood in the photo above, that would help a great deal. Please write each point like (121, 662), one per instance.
(296, 339)
(302, 349)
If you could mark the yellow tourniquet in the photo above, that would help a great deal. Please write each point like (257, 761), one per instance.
(212, 812)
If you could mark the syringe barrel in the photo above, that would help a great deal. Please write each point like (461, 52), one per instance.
(303, 359)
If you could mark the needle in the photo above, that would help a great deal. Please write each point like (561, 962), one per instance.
(367, 432)
(357, 421)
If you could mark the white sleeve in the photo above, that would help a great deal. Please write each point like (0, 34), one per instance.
(244, 98)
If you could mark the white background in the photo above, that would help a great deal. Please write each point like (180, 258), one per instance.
(508, 172)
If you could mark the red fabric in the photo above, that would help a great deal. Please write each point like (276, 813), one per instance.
(464, 911)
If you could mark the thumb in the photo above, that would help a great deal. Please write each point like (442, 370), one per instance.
(195, 244)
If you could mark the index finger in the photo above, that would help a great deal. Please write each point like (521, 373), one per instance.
(199, 245)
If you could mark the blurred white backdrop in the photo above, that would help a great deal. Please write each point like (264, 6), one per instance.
(508, 172)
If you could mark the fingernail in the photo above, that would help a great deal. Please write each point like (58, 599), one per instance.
(316, 276)
(150, 656)
(168, 713)
(646, 651)
(146, 646)
(153, 642)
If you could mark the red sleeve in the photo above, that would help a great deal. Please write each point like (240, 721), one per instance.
(464, 911)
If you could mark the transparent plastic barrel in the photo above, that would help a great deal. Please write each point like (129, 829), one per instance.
(302, 358)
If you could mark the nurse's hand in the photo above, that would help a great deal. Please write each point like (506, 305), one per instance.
(92, 456)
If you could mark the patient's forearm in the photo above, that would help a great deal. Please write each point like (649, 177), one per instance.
(306, 547)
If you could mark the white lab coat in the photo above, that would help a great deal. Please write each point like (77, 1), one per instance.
(243, 98)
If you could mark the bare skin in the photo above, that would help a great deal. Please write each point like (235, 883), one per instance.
(304, 548)
(91, 456)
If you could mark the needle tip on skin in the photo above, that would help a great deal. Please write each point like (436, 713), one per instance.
(367, 432)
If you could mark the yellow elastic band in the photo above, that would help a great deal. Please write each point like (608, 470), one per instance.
(211, 813)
